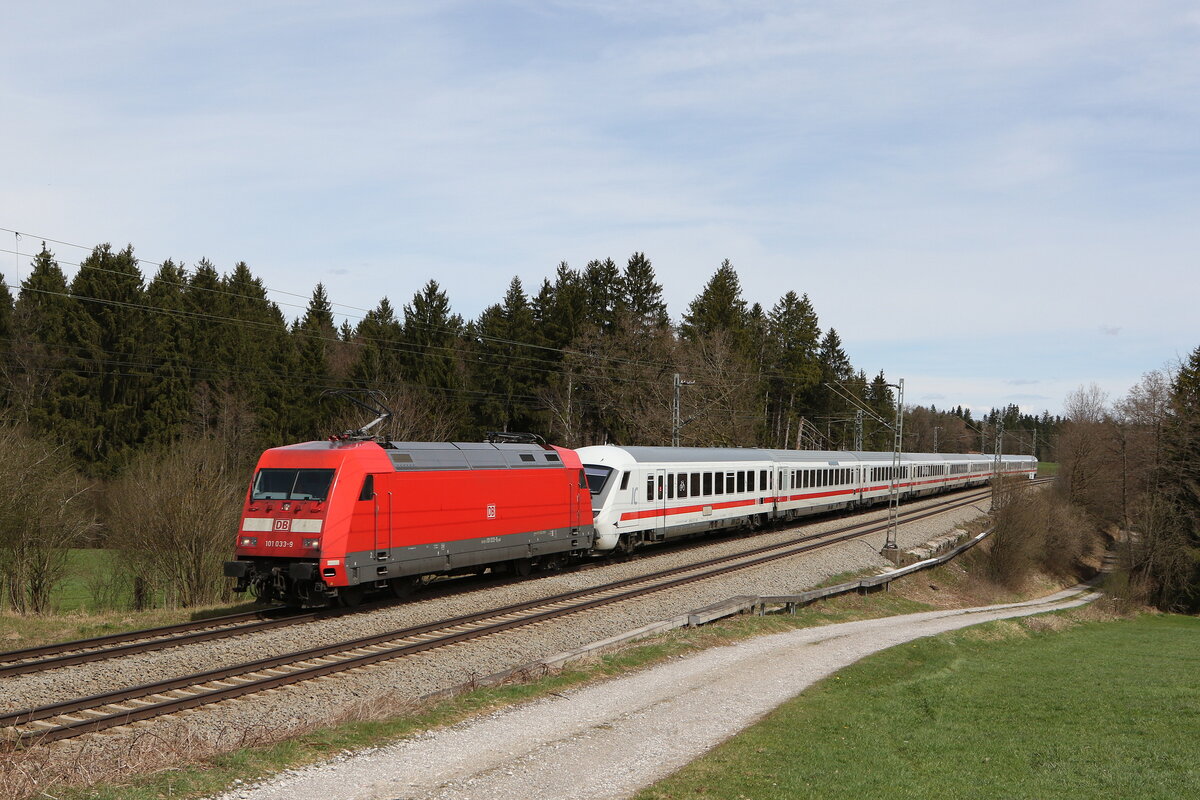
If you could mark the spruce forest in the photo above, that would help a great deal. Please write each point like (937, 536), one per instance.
(119, 387)
(113, 363)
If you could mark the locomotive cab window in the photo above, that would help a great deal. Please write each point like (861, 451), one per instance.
(292, 484)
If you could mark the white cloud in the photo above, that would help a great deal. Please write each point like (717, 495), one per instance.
(954, 168)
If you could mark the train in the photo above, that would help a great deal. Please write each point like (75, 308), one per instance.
(327, 522)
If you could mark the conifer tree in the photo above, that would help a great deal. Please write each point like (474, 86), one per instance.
(794, 367)
(434, 358)
(6, 313)
(1181, 474)
(719, 307)
(37, 362)
(603, 288)
(560, 309)
(6, 333)
(882, 401)
(432, 336)
(169, 388)
(206, 338)
(254, 351)
(314, 337)
(505, 371)
(378, 339)
(643, 293)
(107, 335)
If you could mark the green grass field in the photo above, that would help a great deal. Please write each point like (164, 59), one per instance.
(88, 572)
(1103, 709)
(1047, 469)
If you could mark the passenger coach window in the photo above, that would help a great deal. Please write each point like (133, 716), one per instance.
(695, 484)
(683, 485)
(649, 487)
(762, 479)
(292, 484)
(625, 481)
(741, 481)
(750, 481)
(670, 485)
(708, 476)
(720, 483)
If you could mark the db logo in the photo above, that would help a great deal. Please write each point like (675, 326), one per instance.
(283, 524)
(491, 511)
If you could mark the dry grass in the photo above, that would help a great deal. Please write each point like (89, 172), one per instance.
(998, 631)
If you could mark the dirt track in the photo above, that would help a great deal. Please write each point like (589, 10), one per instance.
(612, 739)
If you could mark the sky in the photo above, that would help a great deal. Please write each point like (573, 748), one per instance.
(997, 202)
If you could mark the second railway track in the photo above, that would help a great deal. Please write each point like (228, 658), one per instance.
(117, 645)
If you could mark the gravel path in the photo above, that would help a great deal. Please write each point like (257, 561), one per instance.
(276, 713)
(612, 739)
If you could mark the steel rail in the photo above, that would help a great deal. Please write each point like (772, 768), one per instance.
(82, 651)
(128, 636)
(214, 685)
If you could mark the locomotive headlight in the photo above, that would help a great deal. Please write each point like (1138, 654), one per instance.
(312, 544)
(248, 541)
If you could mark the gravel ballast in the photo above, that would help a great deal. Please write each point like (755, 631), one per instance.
(315, 702)
(612, 739)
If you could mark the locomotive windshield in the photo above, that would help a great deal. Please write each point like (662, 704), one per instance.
(292, 484)
(597, 477)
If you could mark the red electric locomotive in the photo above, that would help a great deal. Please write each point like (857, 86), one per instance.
(326, 520)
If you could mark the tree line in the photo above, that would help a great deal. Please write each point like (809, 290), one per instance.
(1134, 465)
(131, 383)
(110, 363)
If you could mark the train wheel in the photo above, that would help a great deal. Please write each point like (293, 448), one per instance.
(625, 545)
(521, 567)
(351, 596)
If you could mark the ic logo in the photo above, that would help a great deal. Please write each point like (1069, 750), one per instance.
(491, 511)
(283, 524)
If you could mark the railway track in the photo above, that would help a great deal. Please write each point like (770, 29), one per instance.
(82, 651)
(74, 717)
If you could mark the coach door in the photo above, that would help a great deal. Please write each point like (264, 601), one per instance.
(780, 483)
(660, 504)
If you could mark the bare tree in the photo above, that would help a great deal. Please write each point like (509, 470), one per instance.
(1084, 454)
(45, 509)
(173, 514)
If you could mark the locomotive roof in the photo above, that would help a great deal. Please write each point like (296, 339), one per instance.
(470, 455)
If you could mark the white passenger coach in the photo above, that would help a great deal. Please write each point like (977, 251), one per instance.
(649, 494)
